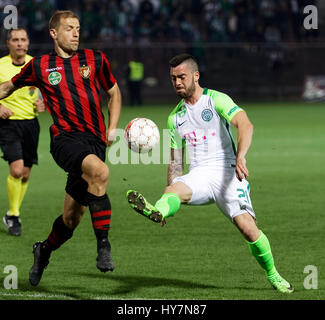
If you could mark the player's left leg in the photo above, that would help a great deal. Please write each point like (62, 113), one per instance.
(233, 199)
(16, 188)
(260, 248)
(24, 184)
(83, 158)
(96, 173)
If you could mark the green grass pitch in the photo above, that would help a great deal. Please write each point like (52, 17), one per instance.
(199, 254)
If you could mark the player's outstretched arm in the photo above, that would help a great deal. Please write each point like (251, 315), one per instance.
(176, 165)
(6, 89)
(114, 111)
(244, 139)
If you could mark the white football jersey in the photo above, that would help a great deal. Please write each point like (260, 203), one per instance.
(204, 128)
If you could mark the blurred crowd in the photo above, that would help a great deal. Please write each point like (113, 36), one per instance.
(149, 21)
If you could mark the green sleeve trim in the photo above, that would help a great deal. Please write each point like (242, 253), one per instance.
(224, 105)
(176, 142)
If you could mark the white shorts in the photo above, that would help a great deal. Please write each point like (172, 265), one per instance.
(219, 185)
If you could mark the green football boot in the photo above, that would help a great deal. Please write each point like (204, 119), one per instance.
(279, 283)
(138, 203)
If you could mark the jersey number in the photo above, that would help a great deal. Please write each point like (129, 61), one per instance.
(243, 194)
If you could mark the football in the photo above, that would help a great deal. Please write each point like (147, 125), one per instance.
(141, 135)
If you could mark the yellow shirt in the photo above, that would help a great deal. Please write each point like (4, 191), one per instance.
(21, 102)
(136, 71)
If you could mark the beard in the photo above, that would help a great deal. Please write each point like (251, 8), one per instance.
(188, 91)
(68, 47)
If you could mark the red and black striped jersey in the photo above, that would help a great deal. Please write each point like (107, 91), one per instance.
(71, 89)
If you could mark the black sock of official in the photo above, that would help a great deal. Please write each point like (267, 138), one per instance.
(60, 233)
(100, 211)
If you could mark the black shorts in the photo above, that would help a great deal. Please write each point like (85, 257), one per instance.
(68, 151)
(19, 140)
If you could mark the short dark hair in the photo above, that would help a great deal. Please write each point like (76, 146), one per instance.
(58, 15)
(184, 57)
(9, 33)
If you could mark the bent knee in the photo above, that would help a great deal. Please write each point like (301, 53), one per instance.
(95, 171)
(72, 219)
(180, 189)
(18, 170)
(71, 222)
(17, 173)
(101, 174)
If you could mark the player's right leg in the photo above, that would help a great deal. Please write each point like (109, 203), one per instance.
(165, 207)
(62, 231)
(11, 146)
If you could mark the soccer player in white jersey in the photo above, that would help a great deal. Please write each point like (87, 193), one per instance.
(201, 123)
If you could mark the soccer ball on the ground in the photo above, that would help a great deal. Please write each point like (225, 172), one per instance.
(141, 135)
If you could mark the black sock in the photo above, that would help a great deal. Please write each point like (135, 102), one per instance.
(60, 233)
(100, 211)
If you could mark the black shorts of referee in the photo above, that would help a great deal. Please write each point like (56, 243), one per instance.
(19, 140)
(68, 151)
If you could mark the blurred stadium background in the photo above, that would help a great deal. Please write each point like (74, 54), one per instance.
(250, 49)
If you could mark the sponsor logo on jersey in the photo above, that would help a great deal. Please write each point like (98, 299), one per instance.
(232, 110)
(53, 69)
(206, 115)
(181, 123)
(85, 71)
(54, 78)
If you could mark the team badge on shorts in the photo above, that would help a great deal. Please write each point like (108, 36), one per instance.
(206, 115)
(54, 78)
(85, 71)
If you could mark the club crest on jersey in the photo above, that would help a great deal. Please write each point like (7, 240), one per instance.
(31, 90)
(85, 71)
(206, 115)
(54, 78)
(182, 111)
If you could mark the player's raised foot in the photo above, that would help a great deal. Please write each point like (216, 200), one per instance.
(13, 223)
(41, 260)
(104, 258)
(138, 202)
(280, 284)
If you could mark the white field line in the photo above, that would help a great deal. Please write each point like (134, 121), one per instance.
(36, 295)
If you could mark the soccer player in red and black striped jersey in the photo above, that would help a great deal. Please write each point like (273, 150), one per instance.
(70, 82)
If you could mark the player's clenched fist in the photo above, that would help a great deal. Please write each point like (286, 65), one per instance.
(39, 105)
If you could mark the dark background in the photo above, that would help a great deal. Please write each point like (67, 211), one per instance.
(250, 49)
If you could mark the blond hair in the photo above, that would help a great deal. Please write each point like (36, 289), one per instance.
(58, 15)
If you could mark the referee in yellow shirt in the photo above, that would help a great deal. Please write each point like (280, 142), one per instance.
(19, 127)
